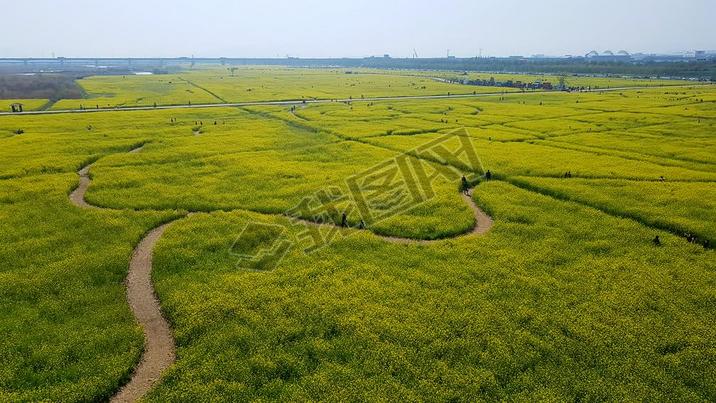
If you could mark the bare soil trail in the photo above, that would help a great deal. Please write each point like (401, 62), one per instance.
(483, 224)
(77, 197)
(159, 349)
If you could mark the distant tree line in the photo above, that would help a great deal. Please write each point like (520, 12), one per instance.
(666, 68)
(702, 70)
(41, 86)
(491, 82)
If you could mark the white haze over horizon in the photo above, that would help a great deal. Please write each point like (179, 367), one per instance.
(324, 28)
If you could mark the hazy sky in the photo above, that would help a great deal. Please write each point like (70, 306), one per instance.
(334, 28)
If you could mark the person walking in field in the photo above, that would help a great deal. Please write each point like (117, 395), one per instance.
(344, 220)
(488, 175)
(657, 241)
(465, 185)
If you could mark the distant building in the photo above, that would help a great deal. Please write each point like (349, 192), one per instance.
(608, 56)
(700, 55)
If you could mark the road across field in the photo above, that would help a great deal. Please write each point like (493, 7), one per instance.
(325, 101)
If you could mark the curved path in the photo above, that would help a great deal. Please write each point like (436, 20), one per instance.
(159, 349)
(483, 223)
(77, 197)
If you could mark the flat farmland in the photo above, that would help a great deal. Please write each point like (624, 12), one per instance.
(249, 84)
(491, 248)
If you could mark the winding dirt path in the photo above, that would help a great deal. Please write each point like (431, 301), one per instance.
(483, 224)
(159, 349)
(77, 197)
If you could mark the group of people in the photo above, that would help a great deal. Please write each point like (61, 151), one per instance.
(691, 238)
(344, 222)
(82, 107)
(695, 240)
(197, 122)
(567, 174)
(465, 185)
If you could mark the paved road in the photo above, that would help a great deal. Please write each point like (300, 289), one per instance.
(323, 101)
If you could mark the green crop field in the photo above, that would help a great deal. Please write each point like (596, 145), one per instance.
(249, 84)
(562, 296)
(594, 82)
(233, 85)
(135, 90)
